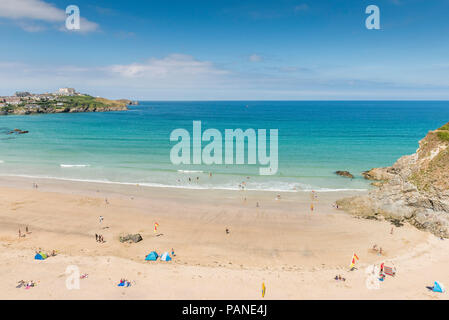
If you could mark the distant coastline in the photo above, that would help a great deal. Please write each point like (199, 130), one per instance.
(65, 100)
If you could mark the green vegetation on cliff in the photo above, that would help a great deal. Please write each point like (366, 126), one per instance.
(61, 104)
(443, 132)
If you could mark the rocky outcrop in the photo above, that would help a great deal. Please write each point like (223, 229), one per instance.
(415, 189)
(131, 238)
(378, 174)
(18, 131)
(27, 111)
(346, 174)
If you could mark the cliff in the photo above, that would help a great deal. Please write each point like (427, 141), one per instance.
(414, 190)
(67, 104)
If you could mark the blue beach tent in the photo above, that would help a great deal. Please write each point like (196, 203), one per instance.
(40, 256)
(438, 287)
(152, 256)
(166, 257)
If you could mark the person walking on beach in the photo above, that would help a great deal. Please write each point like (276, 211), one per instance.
(20, 234)
(96, 237)
(101, 219)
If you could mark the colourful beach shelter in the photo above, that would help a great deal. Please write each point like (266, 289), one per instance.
(40, 256)
(166, 257)
(152, 256)
(438, 287)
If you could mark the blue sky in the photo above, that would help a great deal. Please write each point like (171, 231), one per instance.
(228, 50)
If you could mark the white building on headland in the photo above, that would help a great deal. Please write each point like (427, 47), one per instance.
(66, 92)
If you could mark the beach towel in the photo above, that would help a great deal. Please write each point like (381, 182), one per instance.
(124, 284)
(388, 270)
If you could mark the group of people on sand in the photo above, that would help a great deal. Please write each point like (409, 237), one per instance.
(21, 235)
(26, 284)
(339, 278)
(35, 186)
(378, 250)
(99, 238)
(52, 254)
(124, 283)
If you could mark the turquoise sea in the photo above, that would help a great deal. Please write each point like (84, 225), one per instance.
(316, 138)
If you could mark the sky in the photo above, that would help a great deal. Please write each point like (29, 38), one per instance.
(228, 50)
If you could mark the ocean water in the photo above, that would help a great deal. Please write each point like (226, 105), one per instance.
(316, 138)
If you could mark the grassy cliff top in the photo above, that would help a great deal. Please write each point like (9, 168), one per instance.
(89, 101)
(432, 167)
(443, 132)
(59, 104)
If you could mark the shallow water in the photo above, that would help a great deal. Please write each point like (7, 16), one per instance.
(316, 138)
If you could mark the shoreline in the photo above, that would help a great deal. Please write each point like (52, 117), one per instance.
(192, 186)
(295, 252)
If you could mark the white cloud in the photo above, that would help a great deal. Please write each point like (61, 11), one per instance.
(182, 77)
(174, 65)
(174, 76)
(255, 58)
(24, 11)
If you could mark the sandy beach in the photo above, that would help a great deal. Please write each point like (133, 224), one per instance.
(295, 252)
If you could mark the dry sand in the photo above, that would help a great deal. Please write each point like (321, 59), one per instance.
(296, 253)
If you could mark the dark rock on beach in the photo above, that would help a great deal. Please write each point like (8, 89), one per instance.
(344, 174)
(18, 131)
(131, 238)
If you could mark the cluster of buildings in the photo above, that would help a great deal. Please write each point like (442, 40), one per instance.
(28, 98)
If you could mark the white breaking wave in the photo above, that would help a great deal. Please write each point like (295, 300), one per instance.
(190, 171)
(1, 161)
(255, 187)
(74, 165)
